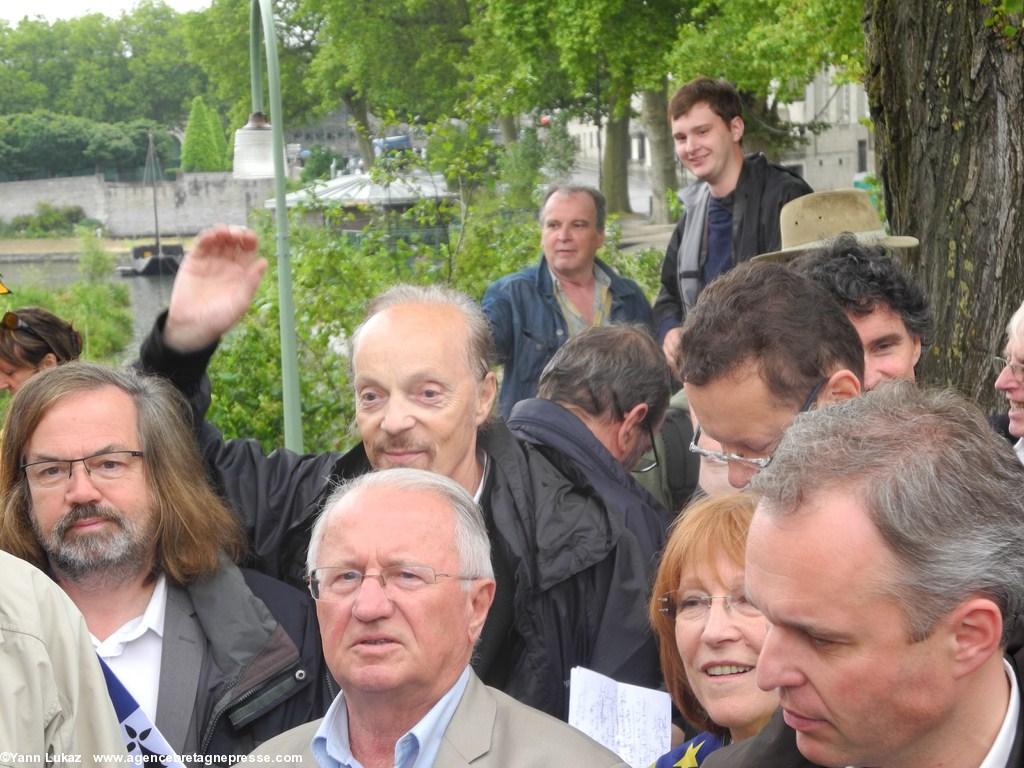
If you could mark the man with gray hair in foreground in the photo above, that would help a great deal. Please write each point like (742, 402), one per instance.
(400, 567)
(887, 553)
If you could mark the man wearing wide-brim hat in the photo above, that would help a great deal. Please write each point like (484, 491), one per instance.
(838, 240)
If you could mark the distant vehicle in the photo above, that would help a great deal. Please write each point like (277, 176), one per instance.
(391, 144)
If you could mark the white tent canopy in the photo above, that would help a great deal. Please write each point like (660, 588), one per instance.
(361, 190)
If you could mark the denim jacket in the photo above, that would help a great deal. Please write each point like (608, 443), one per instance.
(528, 326)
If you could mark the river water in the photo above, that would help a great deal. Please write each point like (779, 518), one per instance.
(149, 295)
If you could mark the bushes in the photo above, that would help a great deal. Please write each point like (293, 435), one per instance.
(48, 221)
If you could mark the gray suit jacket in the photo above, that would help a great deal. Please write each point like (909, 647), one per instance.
(488, 730)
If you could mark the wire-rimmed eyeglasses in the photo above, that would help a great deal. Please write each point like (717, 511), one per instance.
(697, 607)
(339, 581)
(51, 473)
(1000, 364)
(756, 463)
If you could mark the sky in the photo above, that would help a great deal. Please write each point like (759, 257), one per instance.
(14, 10)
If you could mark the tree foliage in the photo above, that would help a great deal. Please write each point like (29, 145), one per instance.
(217, 41)
(103, 69)
(204, 147)
(46, 144)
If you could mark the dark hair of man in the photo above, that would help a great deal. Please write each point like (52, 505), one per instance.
(48, 334)
(720, 95)
(193, 525)
(769, 316)
(863, 277)
(600, 206)
(607, 371)
(942, 488)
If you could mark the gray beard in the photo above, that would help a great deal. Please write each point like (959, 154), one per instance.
(111, 557)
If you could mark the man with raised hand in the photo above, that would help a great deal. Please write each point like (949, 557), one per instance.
(570, 575)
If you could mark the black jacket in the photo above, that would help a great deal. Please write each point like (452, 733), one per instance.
(252, 657)
(761, 192)
(572, 582)
(556, 432)
(528, 326)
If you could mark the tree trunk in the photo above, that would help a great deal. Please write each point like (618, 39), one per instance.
(946, 94)
(615, 164)
(509, 129)
(359, 113)
(663, 157)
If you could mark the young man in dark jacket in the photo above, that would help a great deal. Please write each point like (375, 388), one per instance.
(730, 214)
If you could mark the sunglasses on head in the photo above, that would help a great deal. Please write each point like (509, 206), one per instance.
(11, 321)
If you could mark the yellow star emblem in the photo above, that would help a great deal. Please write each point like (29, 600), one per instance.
(689, 760)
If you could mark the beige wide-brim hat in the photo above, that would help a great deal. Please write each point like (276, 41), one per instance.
(811, 221)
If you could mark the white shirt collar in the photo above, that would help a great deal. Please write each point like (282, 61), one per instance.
(151, 619)
(483, 479)
(999, 754)
(1018, 448)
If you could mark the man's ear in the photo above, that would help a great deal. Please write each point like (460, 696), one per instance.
(841, 385)
(631, 429)
(736, 128)
(480, 599)
(976, 629)
(916, 341)
(487, 392)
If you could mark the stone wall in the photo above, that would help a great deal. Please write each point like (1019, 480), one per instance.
(184, 206)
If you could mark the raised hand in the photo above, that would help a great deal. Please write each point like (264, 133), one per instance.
(214, 287)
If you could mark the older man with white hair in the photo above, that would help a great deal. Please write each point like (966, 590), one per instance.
(1010, 378)
(400, 567)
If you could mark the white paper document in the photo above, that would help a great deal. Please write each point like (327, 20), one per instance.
(631, 721)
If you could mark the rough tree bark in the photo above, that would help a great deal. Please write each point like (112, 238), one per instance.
(663, 158)
(947, 99)
(615, 165)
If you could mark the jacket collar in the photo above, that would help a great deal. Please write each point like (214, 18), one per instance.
(468, 736)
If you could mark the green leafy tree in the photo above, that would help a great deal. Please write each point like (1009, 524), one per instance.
(199, 150)
(220, 143)
(103, 69)
(217, 41)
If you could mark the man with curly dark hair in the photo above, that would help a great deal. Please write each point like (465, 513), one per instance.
(889, 311)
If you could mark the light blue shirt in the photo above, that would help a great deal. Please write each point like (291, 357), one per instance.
(416, 749)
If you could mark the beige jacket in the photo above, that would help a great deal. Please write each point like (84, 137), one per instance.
(53, 699)
(488, 730)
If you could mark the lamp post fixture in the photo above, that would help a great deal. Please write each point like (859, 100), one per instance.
(251, 161)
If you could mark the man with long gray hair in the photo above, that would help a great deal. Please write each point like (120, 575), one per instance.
(887, 553)
(103, 488)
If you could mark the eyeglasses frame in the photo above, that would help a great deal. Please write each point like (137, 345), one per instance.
(724, 457)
